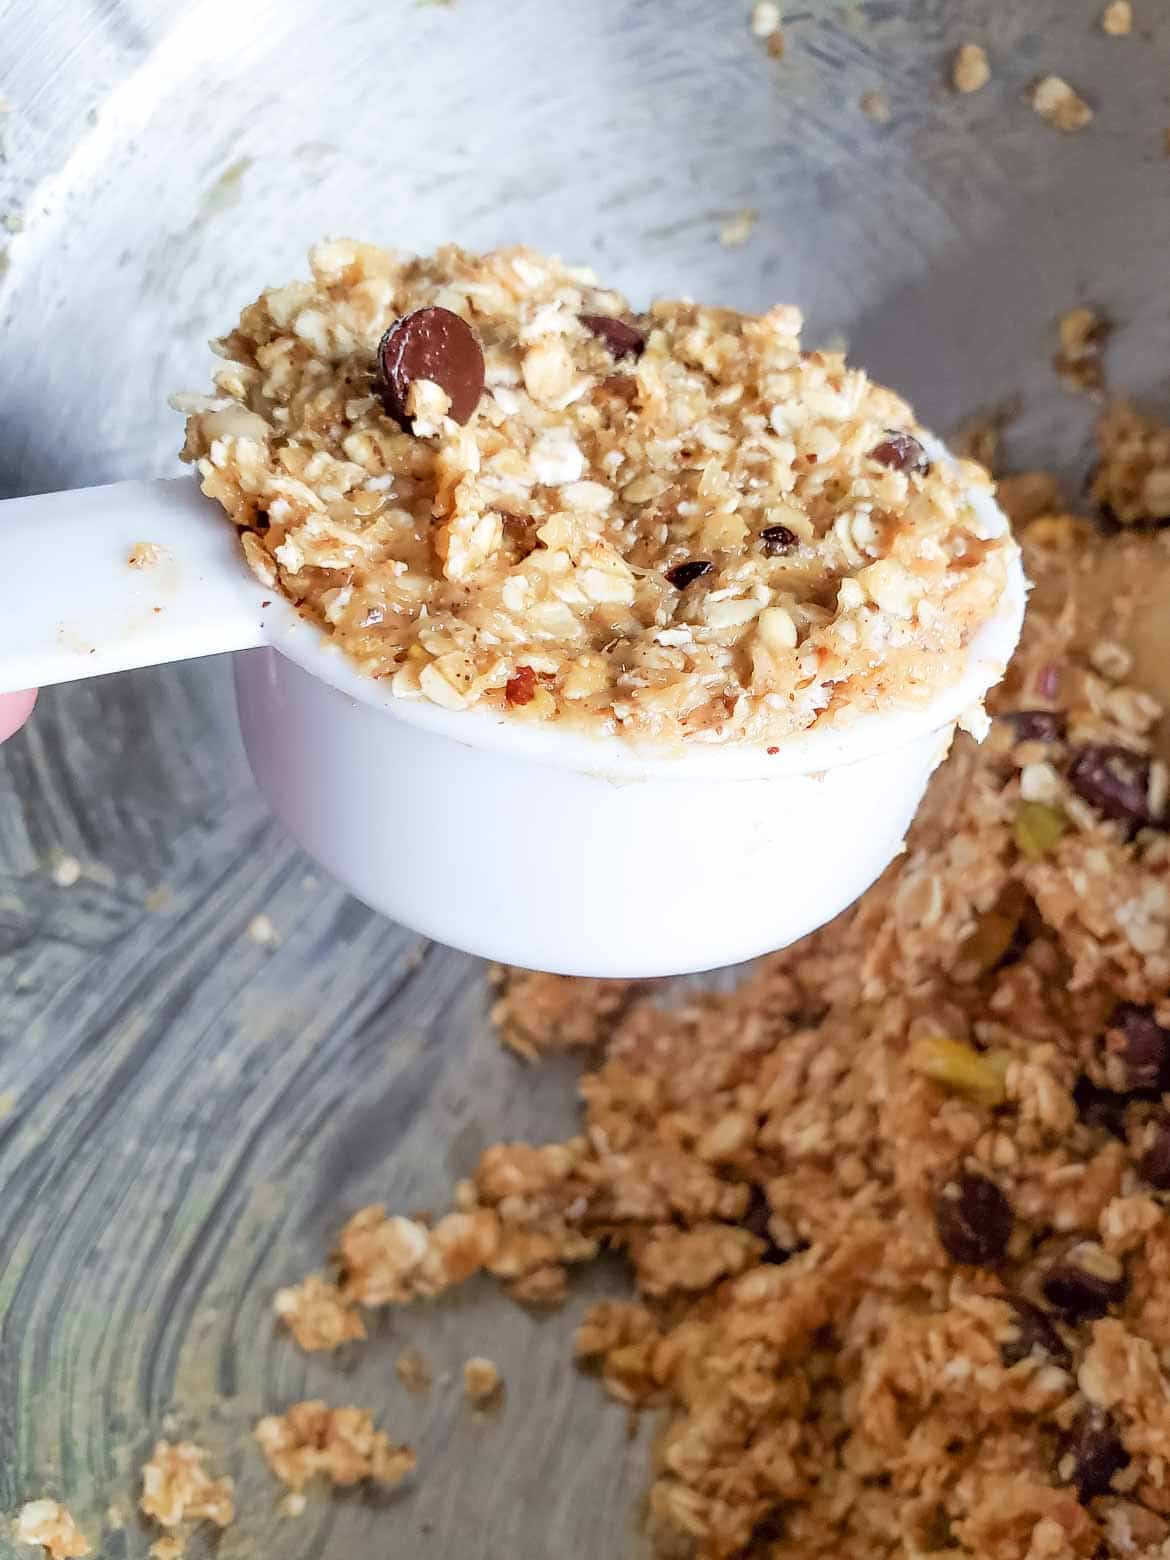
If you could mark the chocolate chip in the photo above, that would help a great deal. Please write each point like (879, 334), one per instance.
(1135, 1040)
(902, 452)
(1154, 1166)
(1032, 1337)
(1116, 781)
(1097, 1453)
(622, 339)
(973, 1219)
(1100, 1108)
(684, 574)
(1085, 1284)
(777, 539)
(1037, 725)
(521, 686)
(431, 343)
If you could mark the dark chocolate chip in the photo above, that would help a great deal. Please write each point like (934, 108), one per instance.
(1037, 725)
(1100, 1108)
(431, 343)
(622, 339)
(1084, 1285)
(684, 574)
(902, 452)
(1032, 1337)
(1116, 781)
(777, 539)
(521, 686)
(1154, 1166)
(973, 1219)
(1136, 1040)
(1097, 1453)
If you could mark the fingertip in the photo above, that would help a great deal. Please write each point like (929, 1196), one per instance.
(15, 709)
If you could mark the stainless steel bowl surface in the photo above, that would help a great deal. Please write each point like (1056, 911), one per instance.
(188, 1115)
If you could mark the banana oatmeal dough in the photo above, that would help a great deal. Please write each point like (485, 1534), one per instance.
(897, 1209)
(491, 483)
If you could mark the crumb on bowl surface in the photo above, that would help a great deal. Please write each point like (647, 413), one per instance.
(490, 482)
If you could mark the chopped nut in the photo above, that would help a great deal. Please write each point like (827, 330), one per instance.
(1056, 103)
(970, 70)
(1117, 18)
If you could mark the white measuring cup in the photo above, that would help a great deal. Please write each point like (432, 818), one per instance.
(532, 844)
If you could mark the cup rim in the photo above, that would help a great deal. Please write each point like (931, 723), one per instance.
(623, 758)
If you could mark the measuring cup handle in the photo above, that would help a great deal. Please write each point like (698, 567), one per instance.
(133, 574)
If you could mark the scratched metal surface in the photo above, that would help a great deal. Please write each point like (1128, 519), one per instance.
(187, 1116)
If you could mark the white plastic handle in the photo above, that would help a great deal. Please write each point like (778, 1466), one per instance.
(77, 607)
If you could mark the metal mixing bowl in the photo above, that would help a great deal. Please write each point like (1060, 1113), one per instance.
(189, 1115)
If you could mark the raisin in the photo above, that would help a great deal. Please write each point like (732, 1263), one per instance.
(1033, 1336)
(973, 1219)
(684, 574)
(1097, 1454)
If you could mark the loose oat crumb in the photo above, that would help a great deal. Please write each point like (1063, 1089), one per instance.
(169, 1547)
(765, 19)
(481, 1380)
(1059, 105)
(1083, 332)
(317, 1314)
(970, 70)
(262, 931)
(176, 1488)
(144, 555)
(339, 1443)
(293, 1504)
(875, 105)
(738, 229)
(1132, 479)
(413, 1371)
(1117, 18)
(49, 1523)
(65, 870)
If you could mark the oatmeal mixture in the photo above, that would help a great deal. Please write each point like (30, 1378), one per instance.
(177, 1492)
(49, 1524)
(491, 483)
(312, 1440)
(897, 1209)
